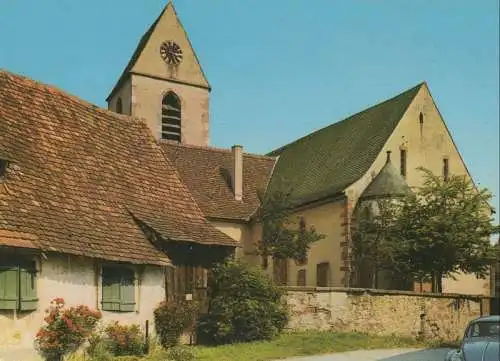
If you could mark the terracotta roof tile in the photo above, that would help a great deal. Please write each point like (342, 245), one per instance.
(206, 170)
(17, 239)
(77, 172)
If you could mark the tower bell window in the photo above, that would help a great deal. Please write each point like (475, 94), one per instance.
(171, 117)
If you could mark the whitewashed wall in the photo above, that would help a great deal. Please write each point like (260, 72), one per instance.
(77, 281)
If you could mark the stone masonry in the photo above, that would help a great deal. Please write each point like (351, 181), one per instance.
(406, 314)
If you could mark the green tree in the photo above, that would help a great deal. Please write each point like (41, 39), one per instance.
(283, 235)
(438, 231)
(245, 306)
(373, 243)
(446, 226)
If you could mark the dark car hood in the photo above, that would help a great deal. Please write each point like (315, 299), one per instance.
(484, 349)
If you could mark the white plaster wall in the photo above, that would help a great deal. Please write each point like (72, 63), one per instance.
(77, 281)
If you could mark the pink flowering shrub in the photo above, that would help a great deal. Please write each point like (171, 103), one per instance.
(65, 329)
(124, 340)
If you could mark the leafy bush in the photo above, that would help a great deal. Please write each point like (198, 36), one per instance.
(65, 329)
(124, 340)
(126, 358)
(172, 318)
(180, 353)
(245, 306)
(97, 349)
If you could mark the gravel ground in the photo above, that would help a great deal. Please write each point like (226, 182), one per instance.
(380, 355)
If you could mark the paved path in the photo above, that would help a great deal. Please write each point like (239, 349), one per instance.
(380, 355)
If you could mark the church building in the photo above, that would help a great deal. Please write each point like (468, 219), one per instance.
(98, 206)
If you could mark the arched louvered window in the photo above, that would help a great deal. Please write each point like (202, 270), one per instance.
(171, 117)
(119, 106)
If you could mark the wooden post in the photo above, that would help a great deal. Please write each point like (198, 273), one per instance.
(146, 346)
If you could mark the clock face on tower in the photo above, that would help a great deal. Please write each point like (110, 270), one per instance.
(171, 53)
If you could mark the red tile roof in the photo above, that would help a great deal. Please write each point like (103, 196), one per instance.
(17, 239)
(78, 172)
(206, 170)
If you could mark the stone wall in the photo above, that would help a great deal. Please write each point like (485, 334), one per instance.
(406, 314)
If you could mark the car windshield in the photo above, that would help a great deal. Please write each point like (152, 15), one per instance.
(485, 329)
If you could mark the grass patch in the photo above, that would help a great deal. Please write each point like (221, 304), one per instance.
(288, 345)
(302, 344)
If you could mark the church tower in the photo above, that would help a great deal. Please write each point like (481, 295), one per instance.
(164, 84)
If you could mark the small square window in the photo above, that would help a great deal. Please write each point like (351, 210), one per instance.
(118, 289)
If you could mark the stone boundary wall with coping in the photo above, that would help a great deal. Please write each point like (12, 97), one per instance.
(381, 312)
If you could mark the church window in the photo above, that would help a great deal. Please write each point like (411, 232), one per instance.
(403, 162)
(421, 118)
(171, 117)
(301, 278)
(446, 169)
(322, 274)
(302, 230)
(119, 106)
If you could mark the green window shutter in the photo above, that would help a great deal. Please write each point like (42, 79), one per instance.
(127, 291)
(110, 290)
(9, 288)
(27, 289)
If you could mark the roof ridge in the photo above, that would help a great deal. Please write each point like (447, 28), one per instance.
(280, 149)
(215, 149)
(15, 77)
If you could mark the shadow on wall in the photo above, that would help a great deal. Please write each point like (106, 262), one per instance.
(437, 354)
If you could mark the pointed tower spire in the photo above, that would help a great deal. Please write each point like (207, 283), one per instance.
(163, 67)
(387, 184)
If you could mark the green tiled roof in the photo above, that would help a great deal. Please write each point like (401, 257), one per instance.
(327, 161)
(387, 183)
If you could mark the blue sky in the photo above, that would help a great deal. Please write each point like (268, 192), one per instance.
(283, 68)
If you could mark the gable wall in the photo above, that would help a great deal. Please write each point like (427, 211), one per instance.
(150, 61)
(426, 146)
(76, 281)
